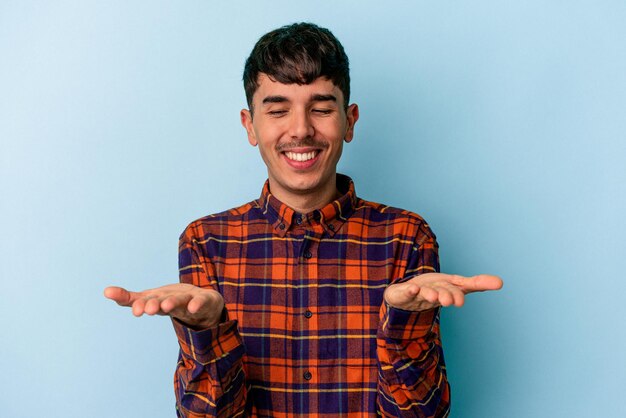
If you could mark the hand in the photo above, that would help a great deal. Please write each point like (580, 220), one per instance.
(196, 307)
(431, 290)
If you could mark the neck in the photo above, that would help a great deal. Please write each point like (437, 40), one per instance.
(306, 202)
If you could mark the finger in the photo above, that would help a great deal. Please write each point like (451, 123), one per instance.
(138, 306)
(174, 302)
(197, 303)
(484, 282)
(429, 294)
(444, 296)
(152, 306)
(402, 293)
(411, 290)
(120, 295)
(479, 283)
(457, 295)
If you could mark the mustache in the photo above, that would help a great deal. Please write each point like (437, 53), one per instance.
(306, 142)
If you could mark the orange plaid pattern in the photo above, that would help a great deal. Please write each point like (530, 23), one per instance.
(306, 332)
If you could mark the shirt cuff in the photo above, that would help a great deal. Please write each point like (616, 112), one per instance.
(207, 345)
(398, 324)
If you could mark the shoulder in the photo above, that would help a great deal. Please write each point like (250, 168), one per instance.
(404, 222)
(221, 222)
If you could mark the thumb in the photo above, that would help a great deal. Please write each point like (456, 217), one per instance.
(120, 295)
(481, 283)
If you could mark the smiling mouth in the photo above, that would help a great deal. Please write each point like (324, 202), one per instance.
(301, 156)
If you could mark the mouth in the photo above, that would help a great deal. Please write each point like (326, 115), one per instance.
(302, 159)
(301, 156)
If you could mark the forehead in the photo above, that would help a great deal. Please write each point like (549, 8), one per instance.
(295, 92)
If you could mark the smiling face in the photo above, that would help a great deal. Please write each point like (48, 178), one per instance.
(300, 130)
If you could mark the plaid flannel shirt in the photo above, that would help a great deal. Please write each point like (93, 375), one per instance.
(306, 332)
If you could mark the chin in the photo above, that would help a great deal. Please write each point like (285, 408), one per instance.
(303, 188)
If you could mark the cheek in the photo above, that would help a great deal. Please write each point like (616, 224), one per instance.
(263, 150)
(332, 129)
(268, 154)
(268, 137)
(339, 150)
(334, 153)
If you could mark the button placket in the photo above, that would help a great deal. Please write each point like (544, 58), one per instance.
(306, 250)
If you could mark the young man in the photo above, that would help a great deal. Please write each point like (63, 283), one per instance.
(308, 301)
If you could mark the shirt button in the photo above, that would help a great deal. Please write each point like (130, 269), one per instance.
(299, 220)
(307, 375)
(308, 314)
(281, 226)
(308, 254)
(331, 227)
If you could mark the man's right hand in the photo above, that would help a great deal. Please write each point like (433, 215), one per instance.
(196, 307)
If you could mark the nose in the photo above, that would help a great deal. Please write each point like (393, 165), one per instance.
(300, 125)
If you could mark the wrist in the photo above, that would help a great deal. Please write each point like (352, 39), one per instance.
(206, 323)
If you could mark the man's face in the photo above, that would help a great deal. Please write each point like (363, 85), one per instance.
(300, 131)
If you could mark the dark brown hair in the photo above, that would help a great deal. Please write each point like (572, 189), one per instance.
(298, 53)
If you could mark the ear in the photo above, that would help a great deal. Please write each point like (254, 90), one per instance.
(352, 115)
(246, 122)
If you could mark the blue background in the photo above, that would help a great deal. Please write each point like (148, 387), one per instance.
(501, 122)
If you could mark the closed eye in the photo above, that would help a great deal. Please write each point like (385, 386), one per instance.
(323, 111)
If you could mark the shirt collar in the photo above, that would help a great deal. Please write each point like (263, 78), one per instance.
(331, 217)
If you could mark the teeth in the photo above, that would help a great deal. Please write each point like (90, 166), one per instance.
(306, 156)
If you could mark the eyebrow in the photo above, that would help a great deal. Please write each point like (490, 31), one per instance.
(275, 99)
(323, 98)
(314, 97)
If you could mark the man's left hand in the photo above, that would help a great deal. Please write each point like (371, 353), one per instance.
(431, 290)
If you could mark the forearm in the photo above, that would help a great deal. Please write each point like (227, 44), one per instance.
(412, 376)
(209, 379)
